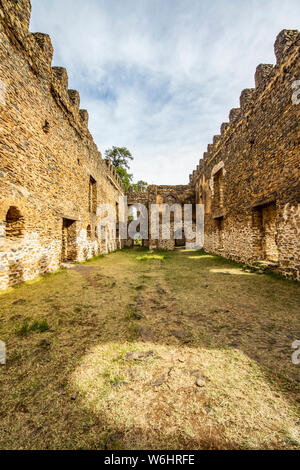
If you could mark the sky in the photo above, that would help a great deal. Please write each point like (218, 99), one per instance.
(160, 76)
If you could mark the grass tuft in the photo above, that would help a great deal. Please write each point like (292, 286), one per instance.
(150, 257)
(38, 325)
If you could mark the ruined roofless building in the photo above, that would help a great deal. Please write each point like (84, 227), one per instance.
(52, 176)
(249, 178)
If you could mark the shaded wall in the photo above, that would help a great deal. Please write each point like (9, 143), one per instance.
(48, 158)
(164, 196)
(249, 178)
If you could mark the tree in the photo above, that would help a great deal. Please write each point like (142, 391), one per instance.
(119, 157)
(125, 177)
(140, 186)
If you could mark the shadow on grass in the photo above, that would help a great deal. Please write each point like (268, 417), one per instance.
(61, 393)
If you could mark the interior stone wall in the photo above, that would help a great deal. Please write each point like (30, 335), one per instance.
(258, 153)
(47, 158)
(164, 196)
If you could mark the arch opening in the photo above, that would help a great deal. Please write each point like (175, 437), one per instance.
(14, 224)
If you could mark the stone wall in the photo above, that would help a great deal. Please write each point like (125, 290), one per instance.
(165, 197)
(52, 176)
(249, 178)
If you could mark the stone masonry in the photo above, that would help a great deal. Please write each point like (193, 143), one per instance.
(169, 196)
(52, 176)
(249, 178)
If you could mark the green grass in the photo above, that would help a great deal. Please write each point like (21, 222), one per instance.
(62, 396)
(150, 257)
(25, 328)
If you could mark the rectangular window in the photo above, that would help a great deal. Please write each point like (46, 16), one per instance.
(218, 189)
(117, 220)
(117, 212)
(92, 195)
(220, 228)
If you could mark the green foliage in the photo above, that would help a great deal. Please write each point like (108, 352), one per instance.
(133, 332)
(119, 157)
(125, 177)
(40, 326)
(140, 186)
(116, 379)
(25, 328)
(22, 330)
(150, 257)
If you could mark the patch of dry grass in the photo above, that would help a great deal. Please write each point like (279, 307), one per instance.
(236, 408)
(73, 385)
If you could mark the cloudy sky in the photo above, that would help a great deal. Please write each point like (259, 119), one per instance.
(160, 76)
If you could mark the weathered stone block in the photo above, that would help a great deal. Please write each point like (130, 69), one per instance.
(234, 114)
(262, 74)
(224, 127)
(285, 39)
(45, 45)
(74, 97)
(61, 75)
(84, 116)
(246, 97)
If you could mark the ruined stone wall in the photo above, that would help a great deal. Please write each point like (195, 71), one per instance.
(249, 178)
(168, 195)
(52, 176)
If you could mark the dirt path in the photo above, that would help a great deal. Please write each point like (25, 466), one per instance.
(186, 352)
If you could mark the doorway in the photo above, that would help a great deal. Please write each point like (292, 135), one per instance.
(264, 221)
(69, 251)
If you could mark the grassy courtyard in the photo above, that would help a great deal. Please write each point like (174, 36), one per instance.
(172, 350)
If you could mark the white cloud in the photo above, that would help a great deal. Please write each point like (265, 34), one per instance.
(161, 76)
